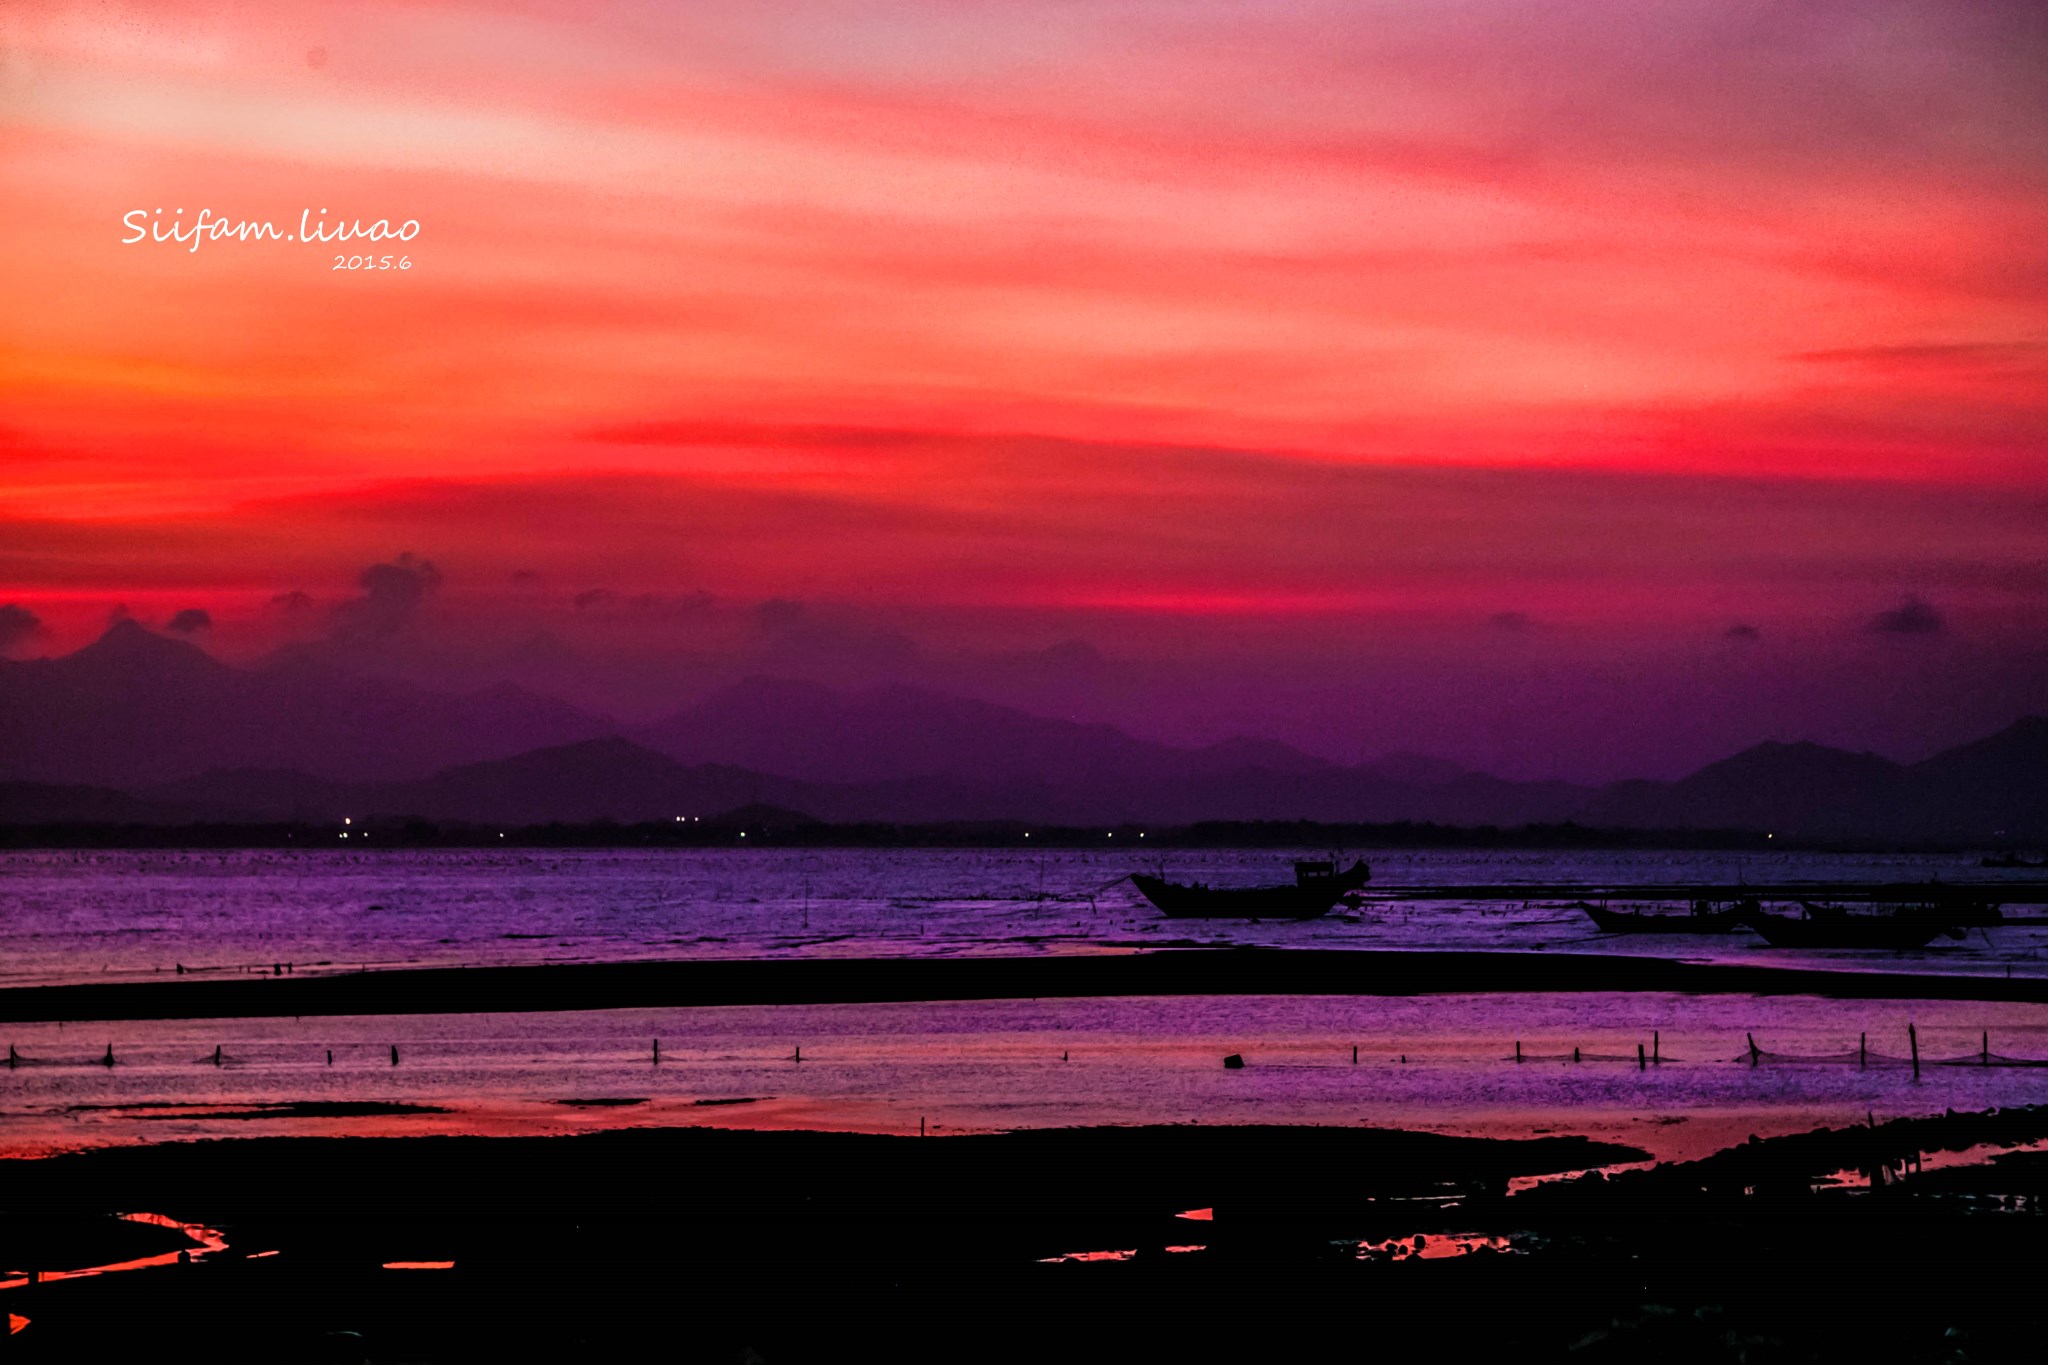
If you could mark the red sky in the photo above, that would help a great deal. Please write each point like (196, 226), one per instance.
(1450, 376)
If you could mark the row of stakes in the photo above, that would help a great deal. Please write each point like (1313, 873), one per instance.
(1653, 1055)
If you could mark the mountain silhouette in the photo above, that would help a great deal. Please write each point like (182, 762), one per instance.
(137, 727)
(136, 709)
(890, 733)
(1803, 788)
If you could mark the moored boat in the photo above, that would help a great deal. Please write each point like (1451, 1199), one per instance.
(1703, 919)
(1834, 927)
(1317, 886)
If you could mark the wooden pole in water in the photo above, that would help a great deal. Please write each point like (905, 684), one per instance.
(799, 1052)
(12, 1060)
(1575, 1054)
(1518, 1050)
(1642, 1062)
(1862, 1050)
(1752, 1049)
(330, 1056)
(108, 1060)
(1987, 1047)
(394, 1054)
(1656, 1047)
(657, 1052)
(1354, 1054)
(216, 1054)
(1913, 1037)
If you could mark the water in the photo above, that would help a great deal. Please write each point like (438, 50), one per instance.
(1444, 1063)
(1441, 1062)
(69, 916)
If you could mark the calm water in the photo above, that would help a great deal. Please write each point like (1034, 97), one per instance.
(110, 915)
(1442, 1062)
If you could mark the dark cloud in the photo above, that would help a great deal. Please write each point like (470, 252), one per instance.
(392, 594)
(1911, 617)
(189, 621)
(18, 625)
(1748, 634)
(292, 602)
(642, 606)
(1509, 621)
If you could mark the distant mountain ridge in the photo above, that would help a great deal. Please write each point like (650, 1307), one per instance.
(145, 729)
(135, 709)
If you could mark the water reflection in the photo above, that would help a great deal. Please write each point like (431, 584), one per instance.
(205, 1242)
(1432, 1246)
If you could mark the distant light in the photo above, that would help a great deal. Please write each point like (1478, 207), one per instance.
(1110, 835)
(1141, 834)
(501, 836)
(1027, 834)
(679, 819)
(344, 834)
(743, 834)
(346, 821)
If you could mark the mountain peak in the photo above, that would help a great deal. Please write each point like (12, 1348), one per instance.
(129, 645)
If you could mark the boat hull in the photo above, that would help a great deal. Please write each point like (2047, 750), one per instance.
(1301, 901)
(1863, 931)
(1632, 922)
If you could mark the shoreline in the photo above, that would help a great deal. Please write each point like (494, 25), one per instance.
(1177, 1242)
(822, 981)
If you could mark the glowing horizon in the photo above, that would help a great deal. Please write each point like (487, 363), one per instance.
(1360, 344)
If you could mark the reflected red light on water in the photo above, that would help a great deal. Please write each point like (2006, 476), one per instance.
(1198, 1215)
(1087, 1256)
(207, 1239)
(419, 1265)
(15, 1322)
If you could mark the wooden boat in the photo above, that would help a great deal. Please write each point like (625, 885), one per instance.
(1317, 887)
(1830, 926)
(1704, 919)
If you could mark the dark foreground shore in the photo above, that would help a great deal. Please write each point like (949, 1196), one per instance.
(813, 981)
(748, 1246)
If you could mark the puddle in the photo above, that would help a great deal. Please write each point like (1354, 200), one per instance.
(1084, 1256)
(1519, 1183)
(206, 1242)
(1983, 1154)
(1432, 1246)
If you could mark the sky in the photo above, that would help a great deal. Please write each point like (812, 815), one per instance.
(1577, 388)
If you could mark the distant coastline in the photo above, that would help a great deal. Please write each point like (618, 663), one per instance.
(790, 829)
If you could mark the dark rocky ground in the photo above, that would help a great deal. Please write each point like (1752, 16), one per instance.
(713, 1245)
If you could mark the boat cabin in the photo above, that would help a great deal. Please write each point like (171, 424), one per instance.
(1309, 874)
